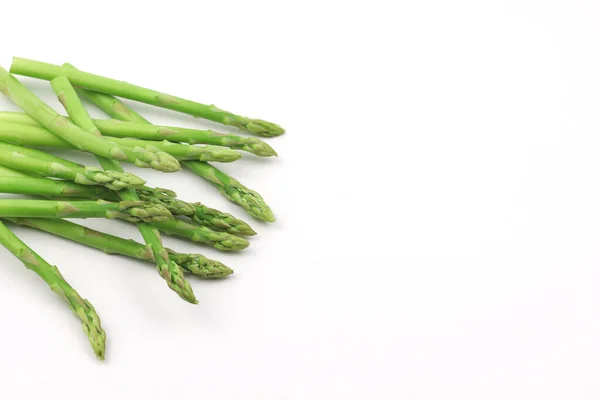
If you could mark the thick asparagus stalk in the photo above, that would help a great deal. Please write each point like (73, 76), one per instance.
(36, 69)
(232, 189)
(201, 234)
(57, 124)
(193, 263)
(132, 211)
(53, 188)
(36, 162)
(219, 220)
(82, 308)
(145, 157)
(170, 271)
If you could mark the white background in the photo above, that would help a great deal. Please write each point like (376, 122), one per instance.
(437, 195)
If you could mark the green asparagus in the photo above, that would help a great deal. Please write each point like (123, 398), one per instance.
(57, 124)
(193, 263)
(218, 220)
(40, 70)
(170, 271)
(232, 189)
(145, 157)
(16, 182)
(165, 153)
(36, 162)
(121, 129)
(132, 211)
(201, 234)
(82, 308)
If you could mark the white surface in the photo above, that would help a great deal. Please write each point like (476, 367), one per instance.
(437, 195)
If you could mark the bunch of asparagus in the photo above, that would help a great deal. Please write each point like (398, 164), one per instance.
(64, 189)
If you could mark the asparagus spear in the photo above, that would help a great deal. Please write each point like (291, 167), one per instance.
(82, 308)
(133, 211)
(145, 157)
(57, 124)
(37, 162)
(48, 187)
(170, 271)
(219, 220)
(116, 128)
(193, 263)
(36, 69)
(19, 183)
(201, 234)
(232, 189)
(7, 172)
(165, 154)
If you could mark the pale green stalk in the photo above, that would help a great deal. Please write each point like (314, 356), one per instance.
(163, 153)
(126, 90)
(145, 157)
(193, 263)
(167, 269)
(229, 187)
(201, 234)
(35, 162)
(57, 124)
(82, 308)
(132, 211)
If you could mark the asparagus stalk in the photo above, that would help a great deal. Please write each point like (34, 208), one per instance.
(164, 154)
(232, 189)
(193, 263)
(51, 188)
(40, 70)
(82, 308)
(36, 162)
(219, 220)
(132, 211)
(144, 157)
(7, 172)
(201, 234)
(19, 183)
(170, 271)
(121, 129)
(57, 124)
(183, 151)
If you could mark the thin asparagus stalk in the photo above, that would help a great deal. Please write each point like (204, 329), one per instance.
(193, 263)
(170, 271)
(201, 234)
(183, 151)
(165, 154)
(121, 129)
(231, 188)
(40, 70)
(145, 157)
(19, 183)
(36, 162)
(57, 124)
(132, 211)
(82, 308)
